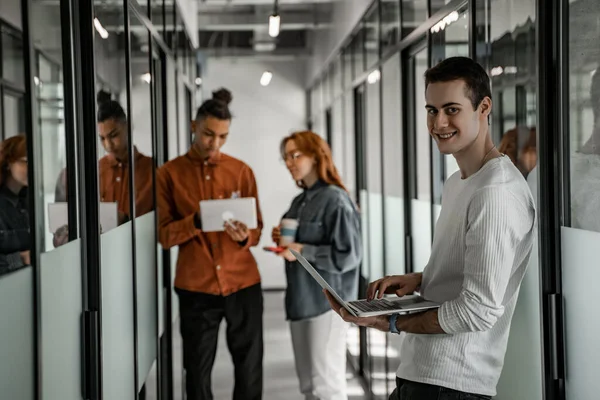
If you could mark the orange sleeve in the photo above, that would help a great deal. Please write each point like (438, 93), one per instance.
(172, 229)
(249, 189)
(144, 198)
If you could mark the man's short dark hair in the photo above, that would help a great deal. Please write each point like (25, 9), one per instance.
(462, 68)
(111, 110)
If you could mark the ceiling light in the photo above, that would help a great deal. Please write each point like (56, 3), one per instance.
(497, 71)
(147, 77)
(198, 81)
(447, 20)
(266, 77)
(274, 24)
(103, 32)
(264, 46)
(374, 77)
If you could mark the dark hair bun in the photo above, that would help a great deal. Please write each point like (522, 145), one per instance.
(223, 95)
(102, 97)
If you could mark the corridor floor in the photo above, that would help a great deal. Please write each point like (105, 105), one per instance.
(280, 375)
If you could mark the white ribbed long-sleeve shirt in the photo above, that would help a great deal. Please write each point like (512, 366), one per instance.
(481, 248)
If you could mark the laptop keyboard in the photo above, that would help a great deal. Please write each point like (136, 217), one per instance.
(384, 304)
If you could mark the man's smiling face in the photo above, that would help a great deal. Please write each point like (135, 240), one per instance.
(451, 118)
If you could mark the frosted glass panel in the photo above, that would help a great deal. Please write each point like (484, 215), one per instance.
(421, 233)
(582, 320)
(61, 322)
(394, 235)
(117, 314)
(376, 236)
(524, 350)
(145, 248)
(16, 335)
(364, 216)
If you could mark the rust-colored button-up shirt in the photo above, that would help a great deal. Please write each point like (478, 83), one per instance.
(209, 262)
(114, 183)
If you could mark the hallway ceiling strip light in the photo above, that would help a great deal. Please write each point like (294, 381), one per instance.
(445, 22)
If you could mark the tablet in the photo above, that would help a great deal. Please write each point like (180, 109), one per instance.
(58, 216)
(214, 213)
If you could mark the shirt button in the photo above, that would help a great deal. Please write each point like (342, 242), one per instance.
(118, 179)
(218, 267)
(208, 177)
(120, 165)
(205, 162)
(214, 245)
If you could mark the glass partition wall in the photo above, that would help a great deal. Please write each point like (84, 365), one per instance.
(86, 295)
(389, 157)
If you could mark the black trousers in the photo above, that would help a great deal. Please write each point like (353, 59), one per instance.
(408, 390)
(201, 316)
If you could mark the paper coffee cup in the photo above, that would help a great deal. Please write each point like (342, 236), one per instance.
(288, 231)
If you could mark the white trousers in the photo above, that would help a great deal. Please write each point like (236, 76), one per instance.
(320, 353)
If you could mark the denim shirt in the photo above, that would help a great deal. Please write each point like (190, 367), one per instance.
(329, 230)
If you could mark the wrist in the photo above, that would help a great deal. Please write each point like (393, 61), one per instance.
(393, 324)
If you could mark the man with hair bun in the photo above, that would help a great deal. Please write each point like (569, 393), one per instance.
(217, 276)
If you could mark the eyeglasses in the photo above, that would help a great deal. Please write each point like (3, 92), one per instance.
(291, 156)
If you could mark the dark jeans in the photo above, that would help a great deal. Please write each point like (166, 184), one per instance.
(407, 390)
(201, 316)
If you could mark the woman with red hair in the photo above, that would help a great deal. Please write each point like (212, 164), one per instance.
(14, 214)
(329, 237)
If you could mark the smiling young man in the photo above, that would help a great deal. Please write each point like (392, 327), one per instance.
(217, 276)
(481, 248)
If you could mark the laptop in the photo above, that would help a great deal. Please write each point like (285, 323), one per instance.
(363, 308)
(215, 213)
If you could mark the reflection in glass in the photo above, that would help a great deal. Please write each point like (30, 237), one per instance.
(13, 67)
(49, 90)
(584, 64)
(372, 40)
(414, 13)
(15, 240)
(390, 24)
(118, 378)
(358, 51)
(142, 81)
(13, 113)
(421, 204)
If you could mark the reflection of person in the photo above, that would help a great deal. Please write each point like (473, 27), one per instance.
(14, 213)
(217, 276)
(480, 252)
(524, 157)
(585, 172)
(114, 167)
(328, 236)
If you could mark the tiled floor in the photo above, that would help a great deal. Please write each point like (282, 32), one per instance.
(280, 374)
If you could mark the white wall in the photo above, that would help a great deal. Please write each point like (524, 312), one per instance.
(346, 15)
(262, 116)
